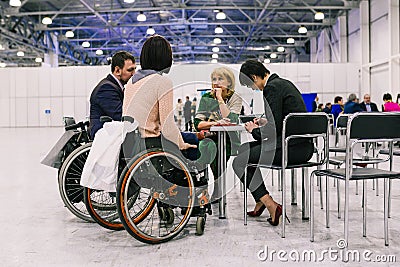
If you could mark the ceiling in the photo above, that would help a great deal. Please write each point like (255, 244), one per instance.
(252, 29)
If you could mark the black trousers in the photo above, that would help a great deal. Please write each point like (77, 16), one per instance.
(251, 153)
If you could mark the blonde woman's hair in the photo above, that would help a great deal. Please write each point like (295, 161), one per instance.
(227, 74)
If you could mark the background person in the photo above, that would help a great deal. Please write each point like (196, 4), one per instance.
(389, 105)
(107, 97)
(281, 97)
(367, 105)
(327, 108)
(337, 108)
(187, 113)
(220, 106)
(352, 106)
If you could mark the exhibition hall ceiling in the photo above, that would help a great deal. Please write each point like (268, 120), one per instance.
(199, 31)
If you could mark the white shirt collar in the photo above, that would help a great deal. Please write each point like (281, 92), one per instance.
(120, 84)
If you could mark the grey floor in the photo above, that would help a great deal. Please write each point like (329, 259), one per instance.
(37, 230)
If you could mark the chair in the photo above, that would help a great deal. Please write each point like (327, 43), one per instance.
(297, 125)
(359, 131)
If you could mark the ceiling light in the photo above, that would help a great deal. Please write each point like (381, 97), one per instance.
(220, 15)
(86, 44)
(280, 49)
(302, 29)
(214, 60)
(214, 56)
(2, 47)
(319, 16)
(15, 3)
(69, 34)
(129, 1)
(215, 49)
(219, 29)
(267, 61)
(273, 55)
(141, 17)
(150, 31)
(290, 40)
(217, 41)
(47, 21)
(99, 52)
(3, 65)
(20, 53)
(38, 60)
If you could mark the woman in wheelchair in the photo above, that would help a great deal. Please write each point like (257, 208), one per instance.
(157, 174)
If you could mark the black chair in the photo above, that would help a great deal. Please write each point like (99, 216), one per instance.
(297, 125)
(386, 129)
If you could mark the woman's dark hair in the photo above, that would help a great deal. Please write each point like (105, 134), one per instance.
(119, 59)
(387, 97)
(156, 54)
(250, 68)
(337, 99)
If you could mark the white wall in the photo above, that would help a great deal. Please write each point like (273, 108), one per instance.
(27, 92)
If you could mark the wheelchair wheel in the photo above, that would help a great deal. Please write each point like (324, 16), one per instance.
(200, 224)
(102, 207)
(163, 184)
(69, 179)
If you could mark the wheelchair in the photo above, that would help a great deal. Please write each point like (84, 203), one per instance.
(72, 159)
(167, 190)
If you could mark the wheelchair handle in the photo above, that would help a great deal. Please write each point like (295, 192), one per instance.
(80, 124)
(104, 119)
(128, 118)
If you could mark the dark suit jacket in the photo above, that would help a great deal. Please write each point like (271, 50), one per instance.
(374, 107)
(352, 107)
(281, 97)
(105, 100)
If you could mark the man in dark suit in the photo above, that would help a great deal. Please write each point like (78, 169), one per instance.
(367, 105)
(187, 113)
(107, 97)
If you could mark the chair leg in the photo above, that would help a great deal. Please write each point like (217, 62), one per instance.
(373, 184)
(386, 210)
(364, 194)
(305, 194)
(283, 183)
(356, 188)
(279, 180)
(312, 207)
(321, 201)
(245, 196)
(327, 201)
(334, 183)
(346, 212)
(338, 199)
(377, 187)
(390, 197)
(294, 187)
(272, 177)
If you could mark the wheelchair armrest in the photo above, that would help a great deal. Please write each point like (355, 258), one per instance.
(128, 118)
(105, 119)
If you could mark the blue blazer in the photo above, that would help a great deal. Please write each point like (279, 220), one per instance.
(352, 107)
(105, 100)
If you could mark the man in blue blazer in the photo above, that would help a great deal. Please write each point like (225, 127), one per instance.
(107, 97)
(352, 106)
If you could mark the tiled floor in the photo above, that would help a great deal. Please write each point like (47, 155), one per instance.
(37, 230)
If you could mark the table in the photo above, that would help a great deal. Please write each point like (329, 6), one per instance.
(222, 131)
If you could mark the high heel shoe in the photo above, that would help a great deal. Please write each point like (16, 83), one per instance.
(278, 214)
(256, 213)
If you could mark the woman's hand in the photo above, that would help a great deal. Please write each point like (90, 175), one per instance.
(250, 126)
(223, 121)
(260, 121)
(217, 92)
(187, 146)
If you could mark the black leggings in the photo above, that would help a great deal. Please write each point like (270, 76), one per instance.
(251, 153)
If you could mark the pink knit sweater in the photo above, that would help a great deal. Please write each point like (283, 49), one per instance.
(150, 102)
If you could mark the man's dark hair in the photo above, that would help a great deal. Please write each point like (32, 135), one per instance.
(119, 59)
(156, 54)
(337, 99)
(328, 104)
(387, 97)
(250, 68)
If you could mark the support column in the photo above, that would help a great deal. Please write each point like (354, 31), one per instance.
(365, 48)
(394, 56)
(313, 49)
(343, 41)
(51, 58)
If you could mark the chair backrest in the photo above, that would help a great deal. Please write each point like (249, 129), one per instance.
(305, 123)
(374, 126)
(69, 121)
(342, 120)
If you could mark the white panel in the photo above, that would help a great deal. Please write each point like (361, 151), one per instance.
(379, 40)
(378, 8)
(353, 78)
(33, 112)
(91, 80)
(21, 83)
(328, 77)
(79, 80)
(291, 72)
(103, 71)
(56, 82)
(12, 112)
(44, 104)
(340, 81)
(68, 106)
(354, 44)
(353, 20)
(5, 112)
(21, 115)
(80, 108)
(57, 110)
(316, 78)
(5, 83)
(32, 75)
(277, 68)
(68, 81)
(44, 82)
(380, 84)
